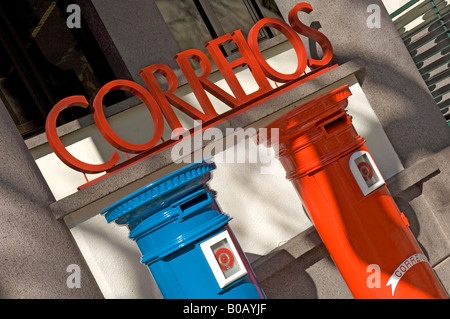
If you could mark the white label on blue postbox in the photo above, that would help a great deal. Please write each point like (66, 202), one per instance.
(365, 171)
(223, 259)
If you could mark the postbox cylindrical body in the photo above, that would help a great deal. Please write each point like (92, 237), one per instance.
(348, 202)
(185, 239)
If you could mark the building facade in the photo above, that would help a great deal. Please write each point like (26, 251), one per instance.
(52, 225)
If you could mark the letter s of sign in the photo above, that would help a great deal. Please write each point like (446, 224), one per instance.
(313, 34)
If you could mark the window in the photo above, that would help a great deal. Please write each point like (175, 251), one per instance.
(195, 22)
(43, 61)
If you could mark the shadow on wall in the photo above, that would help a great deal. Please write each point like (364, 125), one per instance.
(313, 276)
(262, 216)
(411, 118)
(110, 258)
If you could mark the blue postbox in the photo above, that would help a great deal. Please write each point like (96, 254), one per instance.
(185, 239)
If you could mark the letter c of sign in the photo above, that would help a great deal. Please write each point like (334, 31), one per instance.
(58, 147)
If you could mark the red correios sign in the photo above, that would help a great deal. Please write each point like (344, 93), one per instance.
(160, 103)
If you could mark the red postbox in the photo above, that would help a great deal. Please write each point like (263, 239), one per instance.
(348, 202)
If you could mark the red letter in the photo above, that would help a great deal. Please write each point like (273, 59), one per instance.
(107, 131)
(163, 98)
(200, 83)
(247, 58)
(311, 33)
(290, 34)
(58, 147)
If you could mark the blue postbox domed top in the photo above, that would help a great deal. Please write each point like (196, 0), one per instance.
(160, 193)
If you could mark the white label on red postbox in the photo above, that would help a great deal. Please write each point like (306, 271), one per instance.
(365, 172)
(223, 259)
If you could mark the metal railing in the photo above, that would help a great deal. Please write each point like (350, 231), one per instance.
(424, 26)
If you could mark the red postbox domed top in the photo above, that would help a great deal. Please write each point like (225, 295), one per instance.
(318, 132)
